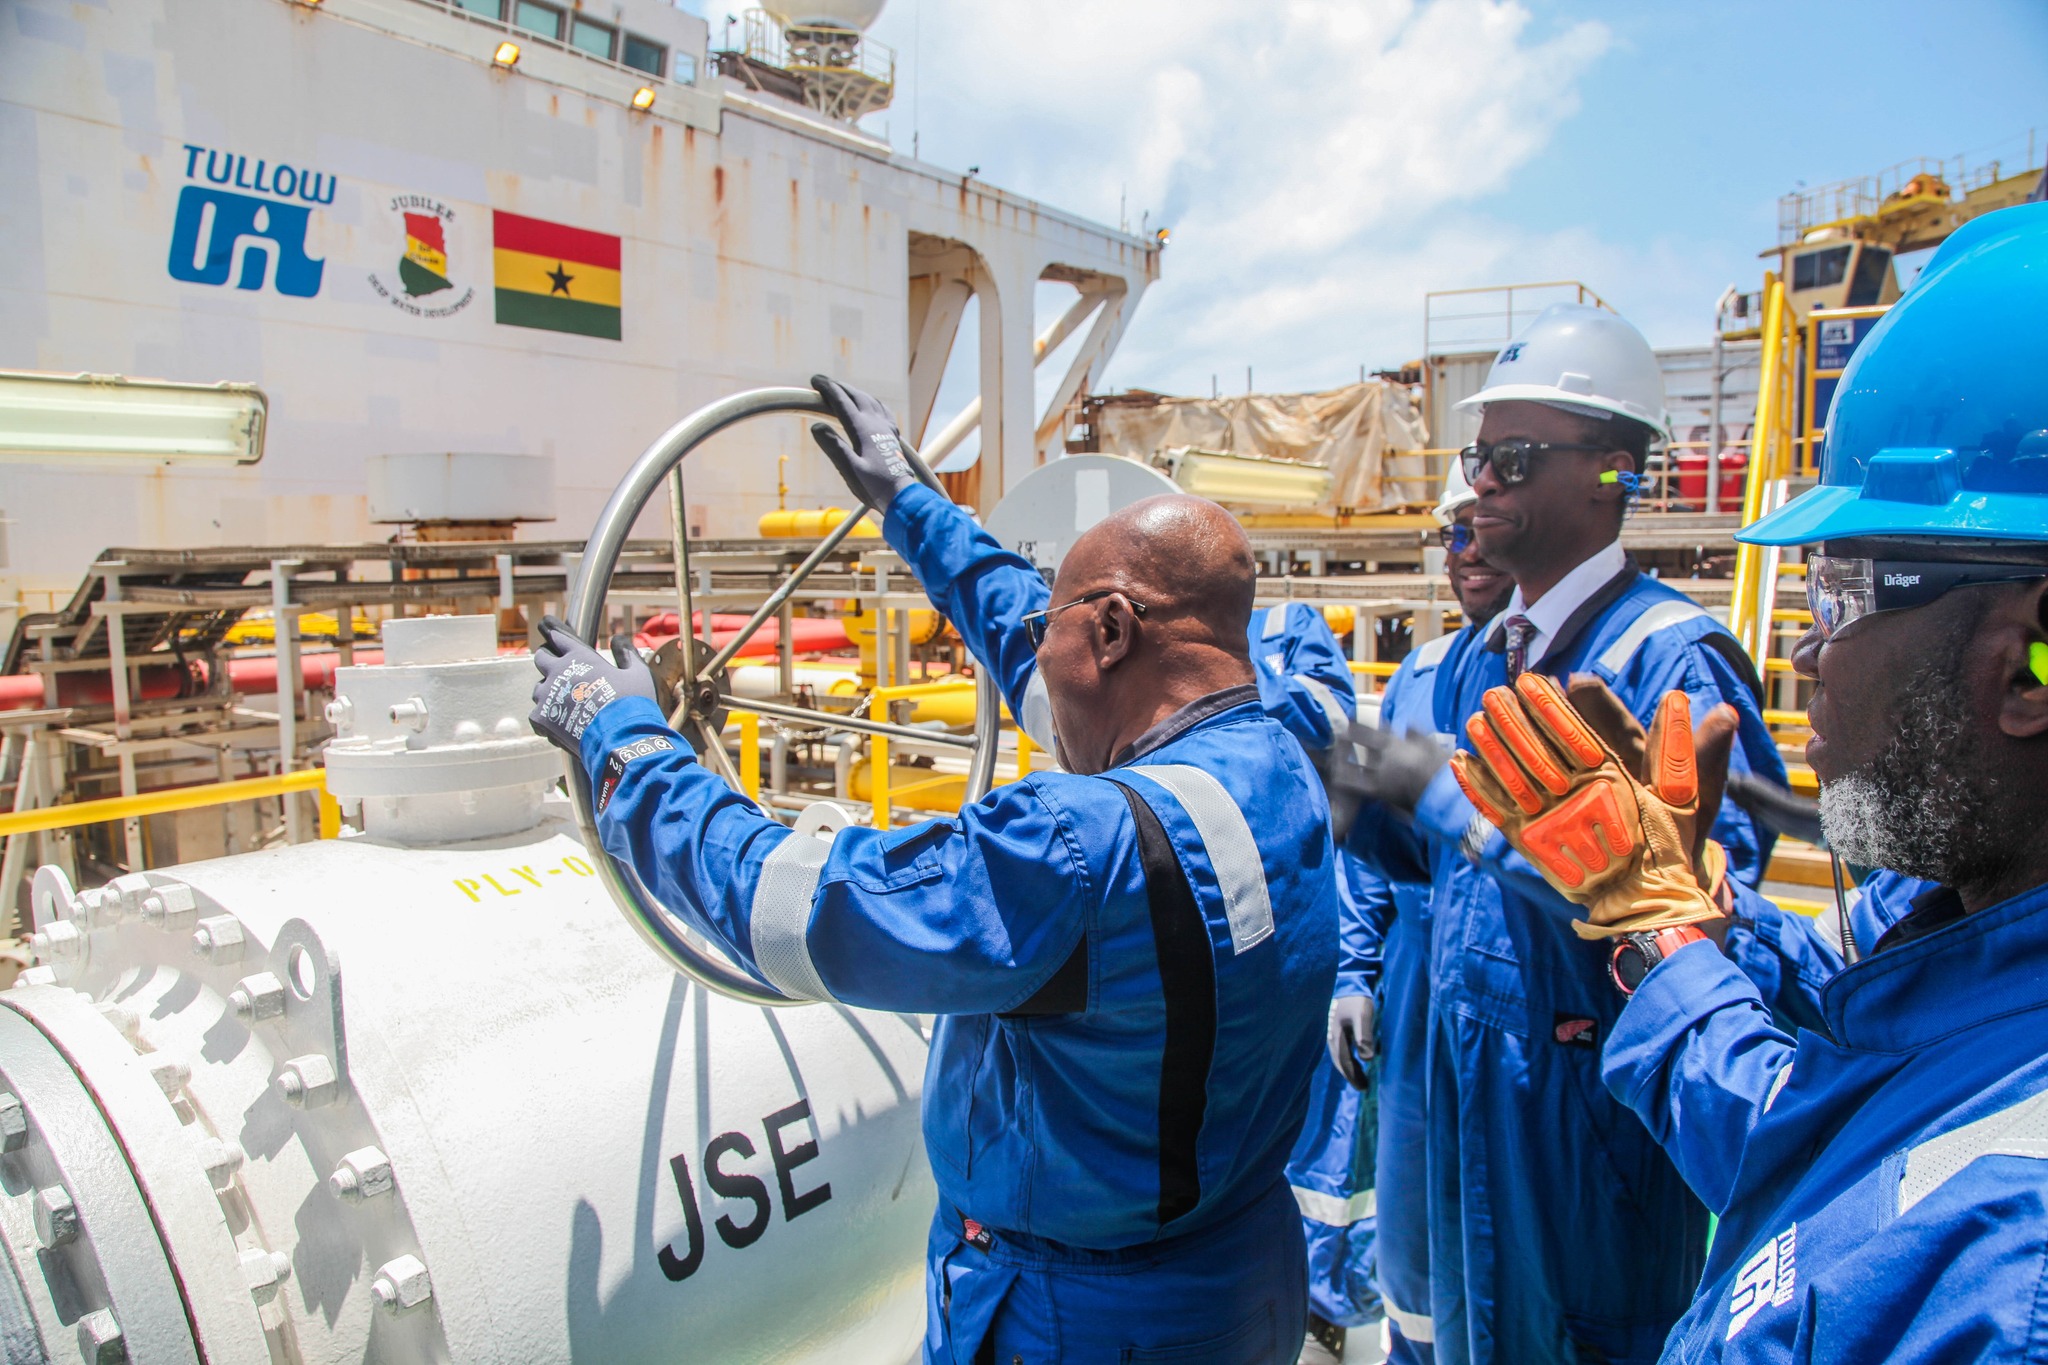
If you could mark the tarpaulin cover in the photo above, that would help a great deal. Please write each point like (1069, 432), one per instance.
(1358, 432)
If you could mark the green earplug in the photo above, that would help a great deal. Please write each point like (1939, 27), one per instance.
(2037, 660)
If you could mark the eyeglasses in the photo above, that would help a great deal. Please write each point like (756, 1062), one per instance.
(1035, 622)
(1457, 537)
(1841, 590)
(1510, 458)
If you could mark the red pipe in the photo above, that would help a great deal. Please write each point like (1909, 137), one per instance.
(255, 677)
(157, 682)
(807, 635)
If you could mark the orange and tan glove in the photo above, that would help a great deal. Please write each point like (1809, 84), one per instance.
(1619, 846)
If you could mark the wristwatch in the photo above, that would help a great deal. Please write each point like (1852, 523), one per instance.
(1635, 954)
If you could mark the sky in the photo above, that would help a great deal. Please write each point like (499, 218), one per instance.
(1321, 164)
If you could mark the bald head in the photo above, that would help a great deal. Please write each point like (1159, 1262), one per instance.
(1177, 579)
(1184, 557)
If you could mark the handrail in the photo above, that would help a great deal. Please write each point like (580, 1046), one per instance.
(1769, 462)
(163, 802)
(878, 747)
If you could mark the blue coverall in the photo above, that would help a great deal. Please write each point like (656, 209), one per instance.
(1882, 1184)
(1122, 1062)
(1384, 951)
(1305, 684)
(1559, 1231)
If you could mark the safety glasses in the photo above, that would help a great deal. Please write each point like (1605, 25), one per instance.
(1457, 537)
(1510, 458)
(1035, 622)
(1840, 590)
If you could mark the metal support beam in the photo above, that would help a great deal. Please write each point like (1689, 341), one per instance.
(1083, 370)
(969, 417)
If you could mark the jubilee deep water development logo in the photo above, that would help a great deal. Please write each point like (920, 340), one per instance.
(423, 283)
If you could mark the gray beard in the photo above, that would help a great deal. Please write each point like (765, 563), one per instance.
(1925, 806)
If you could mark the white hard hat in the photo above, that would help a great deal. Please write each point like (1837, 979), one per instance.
(1582, 359)
(1457, 493)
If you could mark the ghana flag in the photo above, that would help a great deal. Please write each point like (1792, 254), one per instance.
(559, 279)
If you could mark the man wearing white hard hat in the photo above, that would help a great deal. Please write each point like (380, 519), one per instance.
(1559, 1231)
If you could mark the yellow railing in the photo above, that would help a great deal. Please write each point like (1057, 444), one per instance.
(1774, 454)
(77, 813)
(879, 793)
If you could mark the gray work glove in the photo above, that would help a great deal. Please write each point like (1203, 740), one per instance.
(1353, 1038)
(576, 682)
(1371, 764)
(873, 464)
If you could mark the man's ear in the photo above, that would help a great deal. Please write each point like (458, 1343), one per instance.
(1116, 627)
(2023, 711)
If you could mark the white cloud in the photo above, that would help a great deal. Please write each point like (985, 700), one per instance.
(1316, 159)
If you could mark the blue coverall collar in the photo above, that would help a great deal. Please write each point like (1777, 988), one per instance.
(1971, 970)
(1186, 719)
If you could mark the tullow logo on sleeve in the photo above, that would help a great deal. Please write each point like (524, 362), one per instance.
(1766, 1279)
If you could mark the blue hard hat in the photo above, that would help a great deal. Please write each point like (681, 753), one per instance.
(1940, 424)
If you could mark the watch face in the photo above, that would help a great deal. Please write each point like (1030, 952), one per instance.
(1629, 965)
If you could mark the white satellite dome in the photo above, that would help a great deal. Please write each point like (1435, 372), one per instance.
(853, 14)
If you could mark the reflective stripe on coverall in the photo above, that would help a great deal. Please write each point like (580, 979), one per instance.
(1882, 1183)
(1156, 1210)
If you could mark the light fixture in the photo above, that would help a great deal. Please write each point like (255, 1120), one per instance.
(1225, 477)
(507, 54)
(643, 98)
(1161, 236)
(88, 417)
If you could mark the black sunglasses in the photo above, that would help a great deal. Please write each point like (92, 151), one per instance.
(1035, 622)
(1510, 458)
(1457, 537)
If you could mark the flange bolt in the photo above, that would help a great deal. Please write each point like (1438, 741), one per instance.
(401, 1284)
(363, 1174)
(13, 1124)
(56, 1216)
(308, 1082)
(100, 1340)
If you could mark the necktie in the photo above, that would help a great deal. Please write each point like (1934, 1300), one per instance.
(1520, 631)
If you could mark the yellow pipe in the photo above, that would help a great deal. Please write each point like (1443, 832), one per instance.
(810, 523)
(750, 754)
(1374, 668)
(1024, 748)
(160, 802)
(904, 785)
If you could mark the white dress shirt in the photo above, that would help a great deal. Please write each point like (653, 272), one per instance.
(1549, 612)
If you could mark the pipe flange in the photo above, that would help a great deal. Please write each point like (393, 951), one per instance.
(706, 699)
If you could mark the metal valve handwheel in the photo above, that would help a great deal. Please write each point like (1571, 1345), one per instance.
(698, 674)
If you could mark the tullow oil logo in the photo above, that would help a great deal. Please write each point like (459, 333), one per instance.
(242, 220)
(422, 282)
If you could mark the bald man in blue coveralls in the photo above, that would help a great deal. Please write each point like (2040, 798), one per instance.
(1130, 987)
